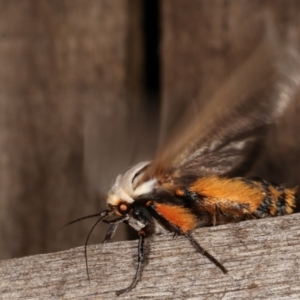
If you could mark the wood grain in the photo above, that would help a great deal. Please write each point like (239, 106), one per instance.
(262, 257)
(66, 74)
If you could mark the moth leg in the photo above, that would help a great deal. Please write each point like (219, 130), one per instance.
(177, 230)
(117, 220)
(214, 219)
(113, 228)
(138, 272)
(205, 253)
(110, 232)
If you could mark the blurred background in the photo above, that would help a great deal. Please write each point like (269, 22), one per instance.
(84, 87)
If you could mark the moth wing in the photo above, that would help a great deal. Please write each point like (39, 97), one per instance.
(223, 139)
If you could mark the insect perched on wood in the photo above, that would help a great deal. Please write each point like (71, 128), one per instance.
(195, 180)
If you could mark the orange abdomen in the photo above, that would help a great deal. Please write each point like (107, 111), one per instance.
(241, 198)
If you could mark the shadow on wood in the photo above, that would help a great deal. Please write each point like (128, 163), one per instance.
(262, 257)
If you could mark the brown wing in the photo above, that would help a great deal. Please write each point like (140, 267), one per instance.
(225, 136)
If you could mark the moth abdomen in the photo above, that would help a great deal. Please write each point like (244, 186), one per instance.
(236, 199)
(278, 201)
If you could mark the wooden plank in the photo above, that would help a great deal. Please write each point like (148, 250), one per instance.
(68, 89)
(262, 257)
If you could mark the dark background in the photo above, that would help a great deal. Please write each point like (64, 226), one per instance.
(84, 85)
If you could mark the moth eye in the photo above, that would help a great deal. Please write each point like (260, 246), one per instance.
(123, 208)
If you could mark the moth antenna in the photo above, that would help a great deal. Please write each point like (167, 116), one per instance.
(83, 218)
(103, 215)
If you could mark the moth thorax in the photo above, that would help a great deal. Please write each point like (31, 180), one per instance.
(127, 186)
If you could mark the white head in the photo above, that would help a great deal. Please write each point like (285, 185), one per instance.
(126, 186)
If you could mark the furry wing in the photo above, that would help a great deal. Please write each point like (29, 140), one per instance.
(225, 136)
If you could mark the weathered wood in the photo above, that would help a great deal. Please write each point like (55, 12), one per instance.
(262, 257)
(68, 89)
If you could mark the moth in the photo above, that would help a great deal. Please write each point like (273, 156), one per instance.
(196, 180)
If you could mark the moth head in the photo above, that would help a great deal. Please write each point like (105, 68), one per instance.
(127, 187)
